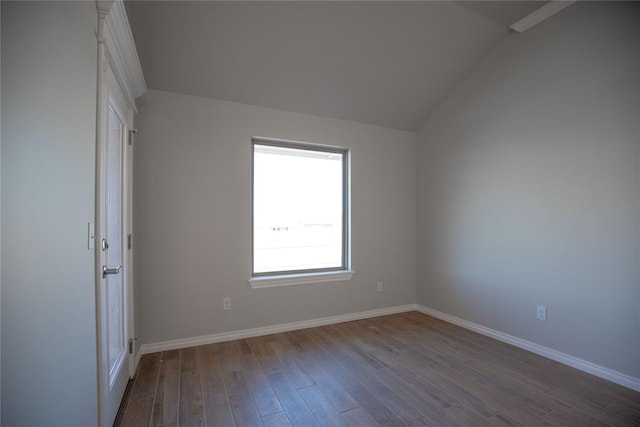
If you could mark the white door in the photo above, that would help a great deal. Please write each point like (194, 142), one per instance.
(113, 293)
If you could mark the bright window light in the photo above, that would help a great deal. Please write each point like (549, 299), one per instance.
(299, 208)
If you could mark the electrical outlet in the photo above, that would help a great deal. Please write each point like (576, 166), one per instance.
(380, 287)
(226, 303)
(541, 313)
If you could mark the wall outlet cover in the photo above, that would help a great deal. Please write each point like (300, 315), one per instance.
(541, 313)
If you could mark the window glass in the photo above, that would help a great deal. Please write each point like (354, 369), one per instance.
(299, 208)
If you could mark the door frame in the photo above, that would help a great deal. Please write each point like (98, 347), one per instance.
(119, 75)
(112, 98)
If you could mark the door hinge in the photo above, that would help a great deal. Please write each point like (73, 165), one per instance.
(131, 133)
(131, 346)
(129, 241)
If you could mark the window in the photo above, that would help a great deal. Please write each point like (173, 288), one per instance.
(300, 213)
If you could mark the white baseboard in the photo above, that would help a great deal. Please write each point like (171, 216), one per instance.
(566, 359)
(266, 330)
(575, 362)
(136, 360)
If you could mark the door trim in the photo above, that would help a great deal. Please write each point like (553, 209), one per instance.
(111, 100)
(114, 33)
(118, 67)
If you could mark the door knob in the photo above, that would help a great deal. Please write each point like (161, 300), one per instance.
(106, 270)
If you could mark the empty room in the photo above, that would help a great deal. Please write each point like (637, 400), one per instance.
(319, 213)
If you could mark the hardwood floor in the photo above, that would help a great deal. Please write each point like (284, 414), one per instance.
(397, 370)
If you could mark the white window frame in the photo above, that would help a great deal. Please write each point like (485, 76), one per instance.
(298, 277)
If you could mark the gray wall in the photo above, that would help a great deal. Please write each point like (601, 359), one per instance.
(48, 139)
(192, 218)
(529, 188)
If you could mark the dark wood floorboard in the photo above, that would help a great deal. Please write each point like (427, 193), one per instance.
(406, 369)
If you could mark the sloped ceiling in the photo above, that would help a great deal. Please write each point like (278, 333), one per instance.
(502, 12)
(384, 63)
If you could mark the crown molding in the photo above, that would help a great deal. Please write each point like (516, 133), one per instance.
(120, 49)
(539, 15)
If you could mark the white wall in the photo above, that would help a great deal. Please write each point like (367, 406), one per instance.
(48, 139)
(529, 188)
(192, 218)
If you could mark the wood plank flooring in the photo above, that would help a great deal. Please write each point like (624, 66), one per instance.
(407, 369)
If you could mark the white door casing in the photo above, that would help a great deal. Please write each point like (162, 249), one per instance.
(119, 82)
(113, 292)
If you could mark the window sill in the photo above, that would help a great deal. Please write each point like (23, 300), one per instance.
(300, 279)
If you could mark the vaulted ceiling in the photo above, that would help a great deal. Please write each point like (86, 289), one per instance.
(384, 63)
